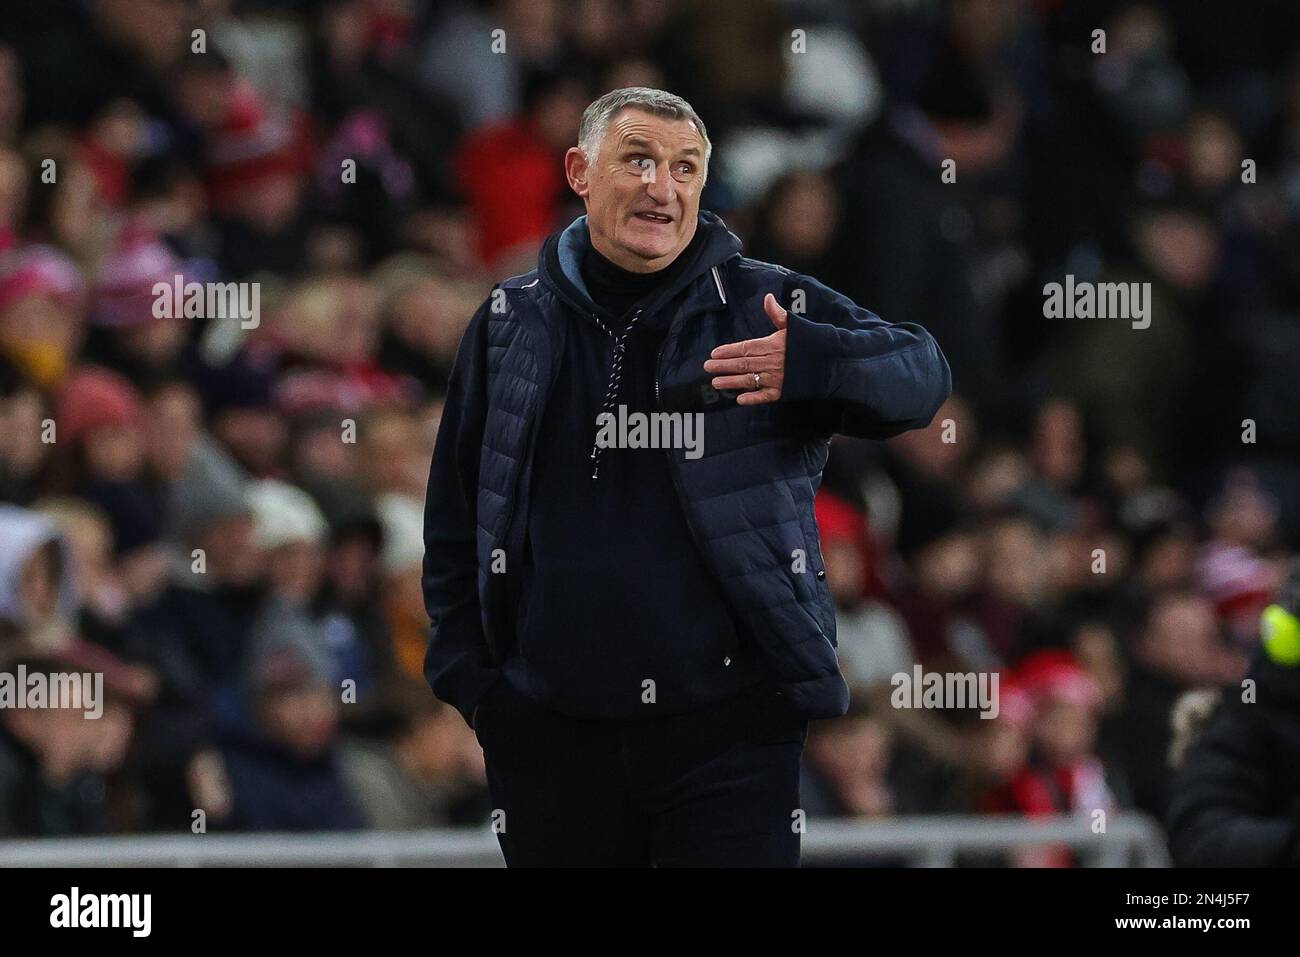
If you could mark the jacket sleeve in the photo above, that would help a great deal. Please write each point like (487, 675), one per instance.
(873, 379)
(458, 663)
(1225, 811)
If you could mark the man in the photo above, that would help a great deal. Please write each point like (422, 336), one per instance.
(639, 636)
(1235, 800)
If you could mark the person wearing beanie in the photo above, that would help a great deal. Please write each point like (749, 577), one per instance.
(259, 165)
(1236, 796)
(42, 298)
(286, 647)
(197, 631)
(290, 529)
(124, 293)
(211, 489)
(100, 421)
(1063, 774)
(282, 753)
(239, 399)
(127, 333)
(1001, 747)
(94, 398)
(873, 642)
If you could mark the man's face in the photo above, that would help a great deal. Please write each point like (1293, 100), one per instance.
(231, 550)
(643, 192)
(303, 719)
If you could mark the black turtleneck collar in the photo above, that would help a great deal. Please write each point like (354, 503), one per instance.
(616, 290)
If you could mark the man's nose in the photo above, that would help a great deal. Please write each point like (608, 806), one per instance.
(660, 186)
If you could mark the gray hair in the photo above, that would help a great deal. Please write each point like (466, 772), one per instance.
(597, 117)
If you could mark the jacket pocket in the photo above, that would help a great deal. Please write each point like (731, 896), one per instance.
(825, 602)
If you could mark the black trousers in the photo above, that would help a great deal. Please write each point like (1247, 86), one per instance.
(714, 787)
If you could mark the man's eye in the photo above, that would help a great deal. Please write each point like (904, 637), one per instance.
(641, 162)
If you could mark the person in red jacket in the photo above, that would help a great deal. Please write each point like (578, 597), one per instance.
(1063, 775)
(511, 174)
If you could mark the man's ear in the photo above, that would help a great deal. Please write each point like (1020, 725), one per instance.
(575, 170)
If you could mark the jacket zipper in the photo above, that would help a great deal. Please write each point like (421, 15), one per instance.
(672, 461)
(658, 401)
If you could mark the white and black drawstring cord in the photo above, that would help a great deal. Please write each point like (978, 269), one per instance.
(615, 379)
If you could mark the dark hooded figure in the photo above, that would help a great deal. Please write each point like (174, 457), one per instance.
(1236, 797)
(622, 565)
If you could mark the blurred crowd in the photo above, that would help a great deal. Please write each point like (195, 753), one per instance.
(225, 518)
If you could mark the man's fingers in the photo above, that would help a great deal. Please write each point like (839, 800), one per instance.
(742, 365)
(745, 382)
(734, 364)
(779, 317)
(758, 397)
(768, 345)
(724, 382)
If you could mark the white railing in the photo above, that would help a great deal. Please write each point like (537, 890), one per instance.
(1130, 840)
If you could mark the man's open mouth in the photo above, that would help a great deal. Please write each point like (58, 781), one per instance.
(655, 217)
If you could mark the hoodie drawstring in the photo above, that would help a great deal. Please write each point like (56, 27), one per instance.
(615, 379)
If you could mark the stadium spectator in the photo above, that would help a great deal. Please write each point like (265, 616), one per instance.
(281, 752)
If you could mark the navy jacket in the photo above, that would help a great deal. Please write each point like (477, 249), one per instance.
(748, 500)
(624, 620)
